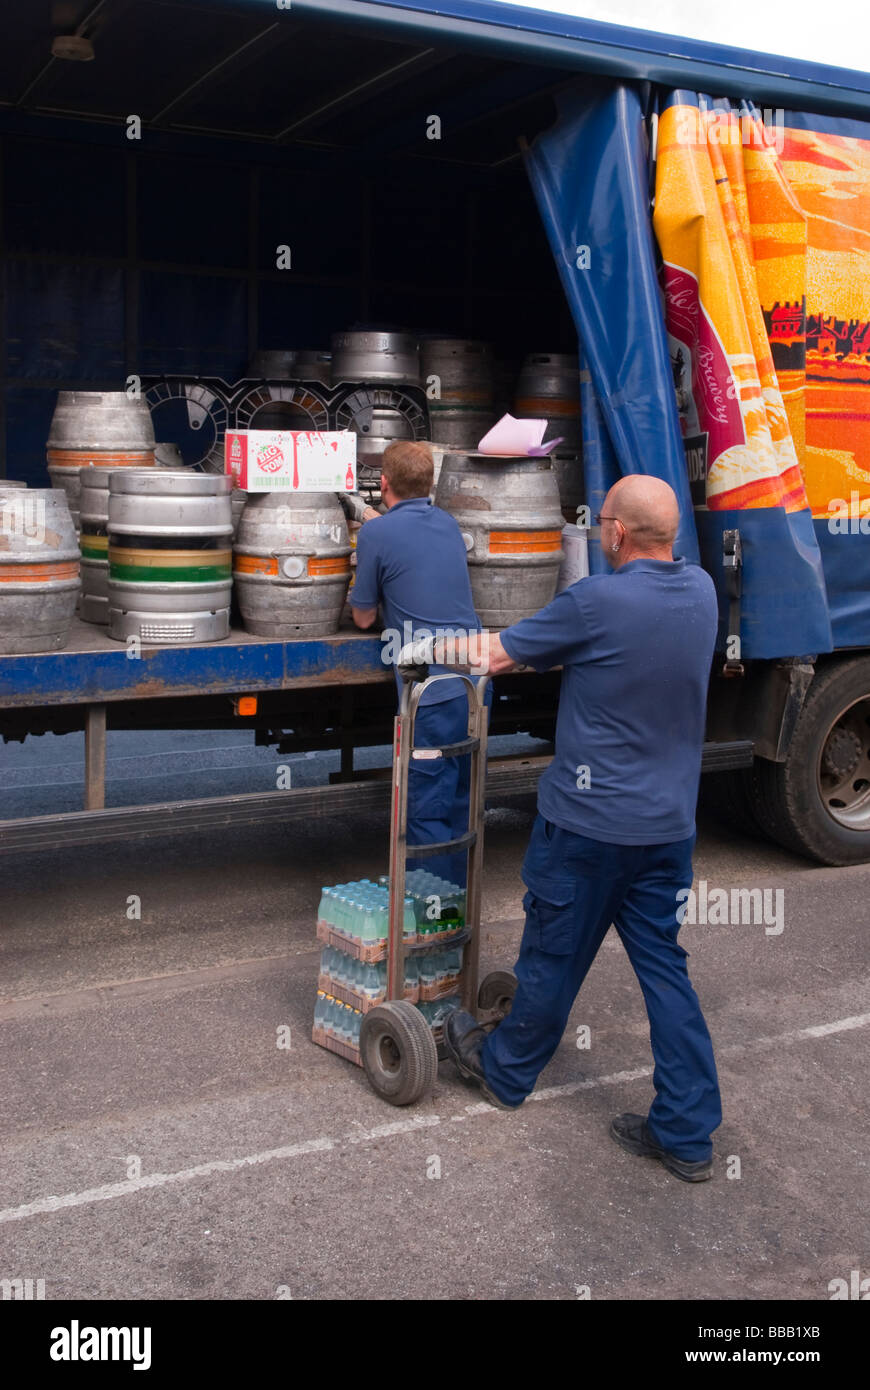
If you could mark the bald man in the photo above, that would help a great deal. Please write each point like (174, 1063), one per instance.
(613, 838)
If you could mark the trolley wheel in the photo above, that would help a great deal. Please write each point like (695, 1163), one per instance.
(398, 1052)
(496, 993)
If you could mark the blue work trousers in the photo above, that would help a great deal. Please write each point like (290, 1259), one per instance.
(577, 888)
(438, 790)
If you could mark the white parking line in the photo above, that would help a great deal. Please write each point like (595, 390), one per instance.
(324, 1144)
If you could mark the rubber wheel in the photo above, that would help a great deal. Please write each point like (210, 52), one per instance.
(398, 1052)
(806, 802)
(496, 993)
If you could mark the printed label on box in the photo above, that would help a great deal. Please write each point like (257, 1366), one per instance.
(292, 460)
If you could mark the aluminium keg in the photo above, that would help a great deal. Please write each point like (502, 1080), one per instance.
(314, 365)
(291, 564)
(39, 570)
(509, 515)
(385, 426)
(106, 428)
(461, 432)
(273, 364)
(548, 388)
(170, 556)
(376, 357)
(458, 379)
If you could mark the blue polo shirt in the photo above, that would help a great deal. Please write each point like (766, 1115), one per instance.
(636, 647)
(412, 561)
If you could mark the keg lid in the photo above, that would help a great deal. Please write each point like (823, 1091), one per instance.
(157, 481)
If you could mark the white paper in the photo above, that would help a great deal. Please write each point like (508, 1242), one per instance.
(510, 436)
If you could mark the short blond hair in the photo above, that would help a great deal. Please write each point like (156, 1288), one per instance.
(408, 468)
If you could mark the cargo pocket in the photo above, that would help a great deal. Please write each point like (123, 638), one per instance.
(551, 925)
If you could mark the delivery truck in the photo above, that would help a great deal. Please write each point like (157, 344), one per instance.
(186, 182)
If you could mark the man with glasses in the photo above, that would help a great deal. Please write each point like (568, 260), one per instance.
(612, 842)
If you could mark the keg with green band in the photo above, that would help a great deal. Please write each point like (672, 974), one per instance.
(170, 566)
(169, 556)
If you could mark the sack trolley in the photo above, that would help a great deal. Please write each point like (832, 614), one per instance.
(399, 1048)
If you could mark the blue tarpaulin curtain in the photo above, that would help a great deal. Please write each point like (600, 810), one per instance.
(591, 177)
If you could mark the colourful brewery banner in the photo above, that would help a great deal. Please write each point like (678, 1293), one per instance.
(764, 233)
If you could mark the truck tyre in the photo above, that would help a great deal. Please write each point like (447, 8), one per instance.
(817, 802)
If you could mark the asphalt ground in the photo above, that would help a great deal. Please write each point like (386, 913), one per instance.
(157, 1143)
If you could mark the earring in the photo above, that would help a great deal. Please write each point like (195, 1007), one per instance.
(614, 546)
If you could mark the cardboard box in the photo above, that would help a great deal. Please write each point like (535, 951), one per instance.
(292, 460)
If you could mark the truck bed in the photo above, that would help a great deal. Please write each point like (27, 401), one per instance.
(94, 668)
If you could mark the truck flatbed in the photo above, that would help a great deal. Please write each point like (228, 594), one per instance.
(93, 668)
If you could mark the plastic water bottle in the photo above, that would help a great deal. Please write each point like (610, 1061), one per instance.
(441, 968)
(320, 1010)
(426, 970)
(382, 917)
(350, 1014)
(412, 975)
(410, 920)
(369, 924)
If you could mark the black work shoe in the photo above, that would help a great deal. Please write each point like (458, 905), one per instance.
(631, 1132)
(463, 1039)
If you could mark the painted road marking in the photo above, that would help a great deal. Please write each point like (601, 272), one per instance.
(109, 1191)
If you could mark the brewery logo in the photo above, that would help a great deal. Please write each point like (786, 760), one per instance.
(269, 458)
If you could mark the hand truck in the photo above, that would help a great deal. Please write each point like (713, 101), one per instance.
(399, 1048)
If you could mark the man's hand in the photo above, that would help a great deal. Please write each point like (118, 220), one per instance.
(353, 506)
(479, 653)
(415, 659)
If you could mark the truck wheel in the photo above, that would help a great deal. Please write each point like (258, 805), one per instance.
(817, 802)
(398, 1052)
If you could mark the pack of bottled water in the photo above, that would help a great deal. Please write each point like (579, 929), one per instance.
(337, 1025)
(360, 911)
(439, 905)
(336, 1020)
(353, 919)
(365, 982)
(428, 975)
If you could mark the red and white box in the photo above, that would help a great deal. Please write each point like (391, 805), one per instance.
(292, 460)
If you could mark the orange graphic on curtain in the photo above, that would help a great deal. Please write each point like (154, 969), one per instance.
(767, 285)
